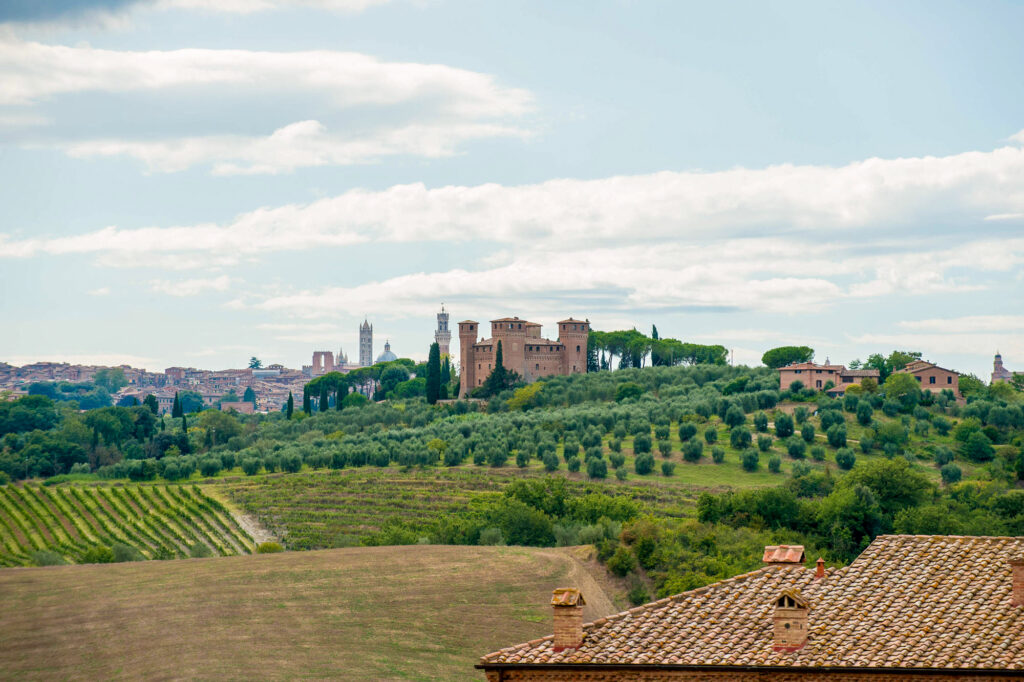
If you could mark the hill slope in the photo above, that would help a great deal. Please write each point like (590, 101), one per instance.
(375, 613)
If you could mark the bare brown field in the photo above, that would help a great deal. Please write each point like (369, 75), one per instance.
(374, 613)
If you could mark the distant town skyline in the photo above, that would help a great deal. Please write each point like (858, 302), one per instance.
(193, 183)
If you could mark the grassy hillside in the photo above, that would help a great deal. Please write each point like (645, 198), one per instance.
(381, 613)
(157, 521)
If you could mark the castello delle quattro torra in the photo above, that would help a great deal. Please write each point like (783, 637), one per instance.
(523, 350)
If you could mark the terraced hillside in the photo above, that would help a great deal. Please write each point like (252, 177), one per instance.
(324, 509)
(158, 521)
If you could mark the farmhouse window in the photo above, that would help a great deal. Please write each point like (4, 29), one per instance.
(931, 380)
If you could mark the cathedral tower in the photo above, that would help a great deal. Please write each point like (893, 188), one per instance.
(366, 344)
(443, 335)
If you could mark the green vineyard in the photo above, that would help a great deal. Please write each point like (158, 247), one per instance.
(160, 522)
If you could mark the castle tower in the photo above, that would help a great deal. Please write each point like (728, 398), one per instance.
(365, 344)
(468, 330)
(443, 335)
(572, 334)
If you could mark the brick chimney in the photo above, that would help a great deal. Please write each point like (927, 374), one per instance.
(783, 555)
(819, 571)
(568, 611)
(1017, 569)
(790, 621)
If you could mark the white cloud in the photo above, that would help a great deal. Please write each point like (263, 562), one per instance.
(769, 275)
(970, 323)
(32, 71)
(899, 196)
(301, 144)
(191, 287)
(250, 6)
(1005, 216)
(101, 291)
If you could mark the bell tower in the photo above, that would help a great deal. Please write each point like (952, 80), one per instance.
(443, 335)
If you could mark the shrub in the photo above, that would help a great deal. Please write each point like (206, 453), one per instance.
(950, 473)
(740, 437)
(210, 466)
(867, 444)
(200, 550)
(227, 460)
(807, 433)
(269, 548)
(638, 593)
(942, 425)
(550, 460)
(45, 557)
(978, 447)
(98, 554)
(818, 453)
(718, 454)
(622, 562)
(497, 456)
(668, 468)
(775, 464)
(796, 448)
(251, 466)
(845, 459)
(597, 468)
(734, 417)
(644, 464)
(124, 552)
(750, 460)
(800, 414)
(628, 390)
(783, 425)
(687, 431)
(761, 422)
(864, 413)
(764, 443)
(665, 447)
(661, 431)
(943, 455)
(836, 435)
(573, 464)
(641, 444)
(615, 445)
(621, 473)
(891, 408)
(620, 431)
(522, 459)
(616, 459)
(693, 450)
(711, 435)
(570, 449)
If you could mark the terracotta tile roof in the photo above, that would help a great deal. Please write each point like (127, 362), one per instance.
(906, 602)
(567, 596)
(783, 554)
(860, 373)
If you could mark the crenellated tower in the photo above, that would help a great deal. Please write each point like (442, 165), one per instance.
(468, 330)
(573, 334)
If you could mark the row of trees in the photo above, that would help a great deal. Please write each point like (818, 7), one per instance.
(632, 349)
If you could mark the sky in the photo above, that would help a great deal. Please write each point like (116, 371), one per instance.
(194, 182)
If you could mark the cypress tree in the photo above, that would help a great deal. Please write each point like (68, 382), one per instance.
(291, 405)
(176, 407)
(434, 373)
(306, 407)
(250, 395)
(184, 425)
(324, 402)
(339, 405)
(654, 332)
(498, 380)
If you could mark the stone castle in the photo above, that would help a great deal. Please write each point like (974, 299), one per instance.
(523, 350)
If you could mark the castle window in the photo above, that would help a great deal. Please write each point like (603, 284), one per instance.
(537, 366)
(577, 349)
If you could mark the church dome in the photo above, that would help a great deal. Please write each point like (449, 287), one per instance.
(387, 355)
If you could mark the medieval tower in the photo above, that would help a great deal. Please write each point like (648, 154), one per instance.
(443, 335)
(366, 344)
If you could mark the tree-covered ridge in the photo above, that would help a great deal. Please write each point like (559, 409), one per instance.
(631, 349)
